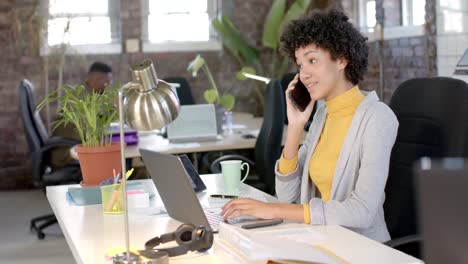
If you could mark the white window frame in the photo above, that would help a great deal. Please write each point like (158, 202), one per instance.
(213, 44)
(407, 14)
(396, 32)
(362, 18)
(115, 47)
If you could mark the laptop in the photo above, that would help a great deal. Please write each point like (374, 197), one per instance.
(462, 65)
(442, 187)
(195, 123)
(179, 198)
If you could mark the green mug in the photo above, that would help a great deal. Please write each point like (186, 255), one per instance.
(231, 170)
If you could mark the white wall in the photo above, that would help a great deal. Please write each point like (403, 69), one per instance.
(452, 35)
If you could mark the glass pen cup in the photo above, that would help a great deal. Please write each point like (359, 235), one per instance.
(112, 199)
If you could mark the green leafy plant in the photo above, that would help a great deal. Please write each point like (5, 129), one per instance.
(249, 57)
(211, 95)
(89, 113)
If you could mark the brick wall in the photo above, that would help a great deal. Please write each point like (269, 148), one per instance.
(403, 58)
(13, 160)
(20, 61)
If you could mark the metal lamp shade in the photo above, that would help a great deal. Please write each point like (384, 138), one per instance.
(150, 103)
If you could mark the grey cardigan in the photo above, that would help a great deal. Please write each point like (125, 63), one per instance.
(357, 194)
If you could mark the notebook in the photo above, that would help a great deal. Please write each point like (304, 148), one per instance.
(195, 123)
(92, 194)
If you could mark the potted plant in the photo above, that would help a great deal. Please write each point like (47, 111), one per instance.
(90, 114)
(224, 103)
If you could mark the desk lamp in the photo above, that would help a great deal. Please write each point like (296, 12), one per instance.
(146, 104)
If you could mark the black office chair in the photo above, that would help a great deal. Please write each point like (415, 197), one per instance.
(285, 80)
(268, 145)
(432, 113)
(40, 145)
(184, 92)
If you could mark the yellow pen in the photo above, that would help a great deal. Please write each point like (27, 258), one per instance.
(129, 173)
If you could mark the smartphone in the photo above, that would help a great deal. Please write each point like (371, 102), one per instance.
(259, 223)
(300, 96)
(224, 196)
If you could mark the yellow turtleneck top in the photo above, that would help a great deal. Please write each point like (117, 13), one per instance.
(340, 112)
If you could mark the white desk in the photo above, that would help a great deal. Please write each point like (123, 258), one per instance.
(247, 125)
(244, 123)
(89, 233)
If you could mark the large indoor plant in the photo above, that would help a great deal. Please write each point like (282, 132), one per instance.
(266, 60)
(90, 114)
(224, 103)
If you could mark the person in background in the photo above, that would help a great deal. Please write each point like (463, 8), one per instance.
(338, 175)
(99, 75)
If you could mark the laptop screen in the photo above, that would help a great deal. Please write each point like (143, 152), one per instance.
(463, 62)
(193, 121)
(174, 188)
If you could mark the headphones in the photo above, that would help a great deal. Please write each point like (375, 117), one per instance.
(188, 238)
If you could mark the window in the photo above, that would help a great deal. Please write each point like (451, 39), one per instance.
(370, 14)
(368, 21)
(86, 26)
(408, 24)
(414, 12)
(452, 16)
(179, 25)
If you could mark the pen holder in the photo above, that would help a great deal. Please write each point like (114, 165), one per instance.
(112, 199)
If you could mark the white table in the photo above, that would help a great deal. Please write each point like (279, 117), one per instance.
(244, 123)
(89, 233)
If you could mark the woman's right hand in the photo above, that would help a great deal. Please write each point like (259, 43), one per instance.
(295, 116)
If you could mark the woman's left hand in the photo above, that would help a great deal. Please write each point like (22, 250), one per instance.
(243, 206)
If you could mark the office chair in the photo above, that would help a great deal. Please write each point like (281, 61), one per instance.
(285, 80)
(432, 113)
(268, 145)
(40, 144)
(184, 91)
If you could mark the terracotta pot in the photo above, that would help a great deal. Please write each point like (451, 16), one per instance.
(97, 163)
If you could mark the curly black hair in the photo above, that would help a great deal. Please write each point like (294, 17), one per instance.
(330, 31)
(100, 67)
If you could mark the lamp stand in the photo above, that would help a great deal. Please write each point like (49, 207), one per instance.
(143, 257)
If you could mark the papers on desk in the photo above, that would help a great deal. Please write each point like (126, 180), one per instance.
(84, 195)
(237, 245)
(303, 235)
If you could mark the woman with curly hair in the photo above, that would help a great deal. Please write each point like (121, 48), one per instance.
(338, 175)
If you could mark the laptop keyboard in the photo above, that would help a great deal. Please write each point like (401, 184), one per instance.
(215, 219)
(217, 202)
(213, 212)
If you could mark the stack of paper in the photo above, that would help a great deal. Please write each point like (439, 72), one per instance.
(237, 245)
